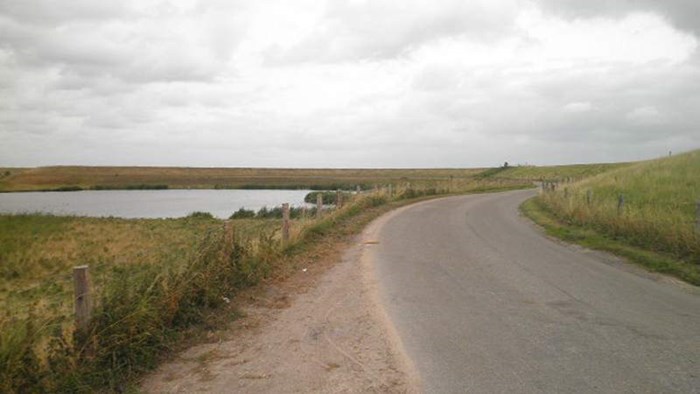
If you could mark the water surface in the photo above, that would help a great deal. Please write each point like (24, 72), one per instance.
(147, 203)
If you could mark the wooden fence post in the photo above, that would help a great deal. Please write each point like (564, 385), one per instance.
(338, 199)
(589, 194)
(83, 303)
(620, 204)
(391, 192)
(357, 189)
(285, 222)
(319, 204)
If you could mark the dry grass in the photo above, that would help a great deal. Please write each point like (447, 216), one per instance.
(37, 253)
(659, 209)
(49, 178)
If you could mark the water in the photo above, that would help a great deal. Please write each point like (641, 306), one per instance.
(147, 203)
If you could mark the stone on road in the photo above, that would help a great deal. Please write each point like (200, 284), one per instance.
(483, 302)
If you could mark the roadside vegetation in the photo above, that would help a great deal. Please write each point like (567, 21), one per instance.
(645, 211)
(152, 281)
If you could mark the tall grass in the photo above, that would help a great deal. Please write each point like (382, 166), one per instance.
(140, 308)
(658, 212)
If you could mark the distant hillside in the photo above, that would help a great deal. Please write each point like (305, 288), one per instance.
(75, 178)
(67, 178)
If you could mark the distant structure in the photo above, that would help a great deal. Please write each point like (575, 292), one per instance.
(505, 165)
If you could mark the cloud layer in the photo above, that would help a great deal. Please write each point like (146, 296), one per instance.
(353, 84)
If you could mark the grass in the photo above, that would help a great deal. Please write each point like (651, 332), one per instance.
(153, 281)
(553, 173)
(126, 257)
(587, 237)
(73, 178)
(37, 253)
(655, 225)
(100, 178)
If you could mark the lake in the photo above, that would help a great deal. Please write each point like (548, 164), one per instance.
(147, 203)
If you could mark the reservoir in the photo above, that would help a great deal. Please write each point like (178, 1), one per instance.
(147, 203)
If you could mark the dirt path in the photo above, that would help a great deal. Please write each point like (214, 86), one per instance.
(320, 331)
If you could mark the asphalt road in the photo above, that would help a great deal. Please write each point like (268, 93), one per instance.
(483, 302)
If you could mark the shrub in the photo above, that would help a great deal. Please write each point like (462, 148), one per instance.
(200, 215)
(243, 214)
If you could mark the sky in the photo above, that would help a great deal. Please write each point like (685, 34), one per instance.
(357, 83)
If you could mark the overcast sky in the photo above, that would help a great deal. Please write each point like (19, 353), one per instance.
(370, 83)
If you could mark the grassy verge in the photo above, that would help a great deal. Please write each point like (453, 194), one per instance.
(154, 281)
(651, 205)
(538, 212)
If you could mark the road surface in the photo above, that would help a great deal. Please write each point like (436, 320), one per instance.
(483, 302)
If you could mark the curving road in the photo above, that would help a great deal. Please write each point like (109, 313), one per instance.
(484, 303)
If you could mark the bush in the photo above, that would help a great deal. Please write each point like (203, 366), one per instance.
(200, 215)
(243, 214)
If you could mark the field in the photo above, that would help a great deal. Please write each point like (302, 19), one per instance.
(70, 178)
(651, 205)
(75, 178)
(37, 253)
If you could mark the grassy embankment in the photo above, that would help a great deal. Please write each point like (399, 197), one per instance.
(572, 172)
(655, 226)
(67, 178)
(153, 281)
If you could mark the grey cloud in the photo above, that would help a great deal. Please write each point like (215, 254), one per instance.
(80, 85)
(623, 107)
(106, 42)
(50, 12)
(386, 29)
(684, 14)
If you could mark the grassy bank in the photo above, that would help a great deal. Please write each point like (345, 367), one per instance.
(153, 281)
(552, 173)
(648, 206)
